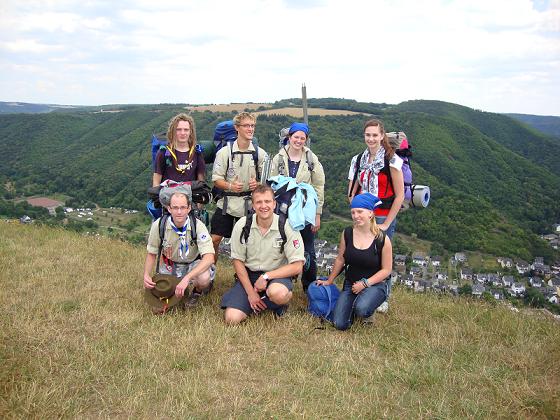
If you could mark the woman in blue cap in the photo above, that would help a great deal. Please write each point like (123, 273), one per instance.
(367, 253)
(297, 161)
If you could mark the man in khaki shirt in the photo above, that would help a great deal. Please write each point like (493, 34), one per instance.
(235, 172)
(182, 255)
(264, 265)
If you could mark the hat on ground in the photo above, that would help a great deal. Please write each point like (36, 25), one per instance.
(162, 296)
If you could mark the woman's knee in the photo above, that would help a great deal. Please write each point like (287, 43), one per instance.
(341, 325)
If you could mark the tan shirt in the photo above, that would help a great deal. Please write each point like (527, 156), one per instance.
(262, 252)
(241, 167)
(315, 178)
(203, 244)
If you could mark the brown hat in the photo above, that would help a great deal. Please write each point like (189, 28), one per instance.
(162, 296)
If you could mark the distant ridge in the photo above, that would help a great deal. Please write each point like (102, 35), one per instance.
(547, 124)
(27, 108)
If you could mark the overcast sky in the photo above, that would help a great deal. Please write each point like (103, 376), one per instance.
(494, 55)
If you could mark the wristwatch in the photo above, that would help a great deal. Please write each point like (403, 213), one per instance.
(265, 276)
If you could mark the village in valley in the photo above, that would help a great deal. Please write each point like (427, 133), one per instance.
(511, 280)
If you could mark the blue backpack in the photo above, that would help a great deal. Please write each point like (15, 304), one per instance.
(322, 300)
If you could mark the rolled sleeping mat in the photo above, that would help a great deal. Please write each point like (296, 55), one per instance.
(420, 196)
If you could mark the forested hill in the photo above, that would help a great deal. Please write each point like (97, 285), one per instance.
(494, 181)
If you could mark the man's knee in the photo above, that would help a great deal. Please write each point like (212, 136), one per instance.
(202, 281)
(279, 294)
(234, 316)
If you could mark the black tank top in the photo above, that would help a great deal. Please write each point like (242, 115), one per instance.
(361, 262)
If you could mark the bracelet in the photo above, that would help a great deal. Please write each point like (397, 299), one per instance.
(229, 186)
(365, 282)
(265, 277)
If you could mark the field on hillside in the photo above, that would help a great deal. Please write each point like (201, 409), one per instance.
(298, 112)
(77, 341)
(227, 107)
(290, 111)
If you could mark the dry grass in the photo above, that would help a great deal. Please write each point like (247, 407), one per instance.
(226, 107)
(78, 341)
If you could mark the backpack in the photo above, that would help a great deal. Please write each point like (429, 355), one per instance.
(322, 300)
(161, 229)
(224, 135)
(246, 230)
(198, 191)
(399, 142)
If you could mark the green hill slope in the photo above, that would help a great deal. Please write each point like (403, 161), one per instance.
(76, 340)
(491, 191)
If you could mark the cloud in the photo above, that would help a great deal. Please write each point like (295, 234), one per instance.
(262, 50)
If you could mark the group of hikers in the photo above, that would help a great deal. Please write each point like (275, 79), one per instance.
(271, 245)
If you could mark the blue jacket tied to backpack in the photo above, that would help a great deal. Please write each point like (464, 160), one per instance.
(303, 206)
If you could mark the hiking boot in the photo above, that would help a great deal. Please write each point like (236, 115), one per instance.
(383, 308)
(193, 299)
(369, 319)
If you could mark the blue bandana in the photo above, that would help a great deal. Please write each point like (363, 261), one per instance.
(365, 201)
(299, 127)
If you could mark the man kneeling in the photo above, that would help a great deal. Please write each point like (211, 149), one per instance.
(267, 253)
(187, 254)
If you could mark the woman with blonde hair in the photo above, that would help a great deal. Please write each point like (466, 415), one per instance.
(182, 159)
(366, 254)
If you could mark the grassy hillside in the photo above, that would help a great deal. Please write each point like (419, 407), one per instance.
(77, 341)
(492, 191)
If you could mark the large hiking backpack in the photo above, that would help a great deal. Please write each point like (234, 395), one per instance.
(198, 191)
(322, 300)
(224, 136)
(414, 195)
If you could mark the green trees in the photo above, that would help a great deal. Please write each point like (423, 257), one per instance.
(493, 188)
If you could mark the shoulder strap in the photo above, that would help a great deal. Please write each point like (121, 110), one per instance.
(282, 228)
(246, 230)
(309, 157)
(194, 237)
(161, 228)
(380, 243)
(256, 160)
(356, 169)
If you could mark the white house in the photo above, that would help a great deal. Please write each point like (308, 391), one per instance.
(505, 262)
(518, 289)
(522, 266)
